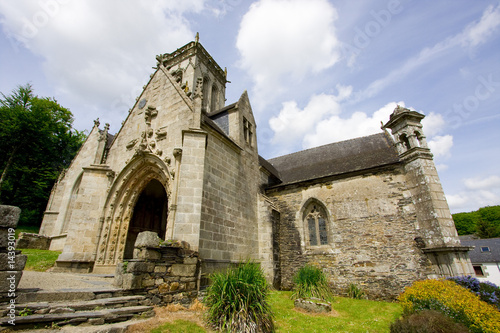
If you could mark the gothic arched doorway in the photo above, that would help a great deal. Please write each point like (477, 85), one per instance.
(150, 214)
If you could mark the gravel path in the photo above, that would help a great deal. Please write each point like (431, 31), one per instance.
(64, 281)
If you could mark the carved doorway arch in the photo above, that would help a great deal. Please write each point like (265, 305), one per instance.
(123, 197)
(150, 214)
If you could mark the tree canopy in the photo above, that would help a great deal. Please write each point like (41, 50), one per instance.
(37, 141)
(485, 222)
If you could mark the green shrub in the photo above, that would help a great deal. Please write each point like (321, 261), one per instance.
(353, 291)
(427, 321)
(237, 300)
(310, 282)
(454, 301)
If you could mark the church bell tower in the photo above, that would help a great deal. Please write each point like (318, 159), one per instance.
(194, 69)
(438, 236)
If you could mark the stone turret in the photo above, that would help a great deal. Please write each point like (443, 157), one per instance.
(192, 66)
(435, 225)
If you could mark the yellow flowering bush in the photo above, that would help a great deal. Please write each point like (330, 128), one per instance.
(454, 301)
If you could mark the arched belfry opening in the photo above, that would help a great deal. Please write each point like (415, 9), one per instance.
(149, 214)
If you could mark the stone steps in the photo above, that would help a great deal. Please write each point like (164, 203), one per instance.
(75, 307)
(97, 317)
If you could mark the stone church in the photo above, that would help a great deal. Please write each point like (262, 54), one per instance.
(369, 211)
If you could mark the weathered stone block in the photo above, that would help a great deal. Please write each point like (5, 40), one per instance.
(148, 282)
(17, 264)
(140, 267)
(160, 269)
(148, 254)
(147, 239)
(9, 281)
(174, 286)
(4, 237)
(183, 270)
(9, 216)
(131, 281)
(164, 288)
(191, 261)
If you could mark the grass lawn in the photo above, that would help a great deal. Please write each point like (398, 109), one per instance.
(40, 260)
(348, 315)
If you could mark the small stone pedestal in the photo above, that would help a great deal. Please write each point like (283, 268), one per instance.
(167, 272)
(12, 262)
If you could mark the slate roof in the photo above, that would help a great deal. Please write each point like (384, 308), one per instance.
(476, 256)
(336, 158)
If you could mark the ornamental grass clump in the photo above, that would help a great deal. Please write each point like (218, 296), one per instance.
(452, 300)
(310, 282)
(237, 300)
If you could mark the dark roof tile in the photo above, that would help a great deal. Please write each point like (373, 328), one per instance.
(336, 158)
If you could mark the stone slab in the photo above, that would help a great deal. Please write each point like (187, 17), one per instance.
(17, 265)
(60, 317)
(9, 216)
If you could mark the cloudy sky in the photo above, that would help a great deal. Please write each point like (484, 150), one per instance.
(316, 71)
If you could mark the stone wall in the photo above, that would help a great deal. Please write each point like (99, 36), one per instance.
(12, 262)
(371, 233)
(228, 230)
(168, 273)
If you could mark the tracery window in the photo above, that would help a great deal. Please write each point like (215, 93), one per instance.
(316, 225)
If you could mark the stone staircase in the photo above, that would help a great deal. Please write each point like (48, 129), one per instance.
(40, 309)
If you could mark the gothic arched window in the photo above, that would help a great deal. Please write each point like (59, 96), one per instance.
(214, 102)
(316, 224)
(206, 82)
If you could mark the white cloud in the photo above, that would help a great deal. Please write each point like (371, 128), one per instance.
(482, 183)
(441, 145)
(336, 128)
(433, 124)
(292, 123)
(98, 54)
(479, 192)
(478, 33)
(457, 201)
(283, 40)
(441, 167)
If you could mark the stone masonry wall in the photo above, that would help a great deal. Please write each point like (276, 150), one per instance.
(372, 234)
(168, 273)
(228, 230)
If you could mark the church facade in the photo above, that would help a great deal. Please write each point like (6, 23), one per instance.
(369, 211)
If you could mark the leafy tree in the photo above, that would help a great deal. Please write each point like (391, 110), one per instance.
(37, 142)
(466, 222)
(485, 222)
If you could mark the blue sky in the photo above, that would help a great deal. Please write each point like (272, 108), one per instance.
(316, 71)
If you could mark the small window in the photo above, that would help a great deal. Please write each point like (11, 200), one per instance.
(404, 140)
(247, 131)
(316, 225)
(478, 270)
(485, 249)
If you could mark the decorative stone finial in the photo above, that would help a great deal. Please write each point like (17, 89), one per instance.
(197, 38)
(96, 122)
